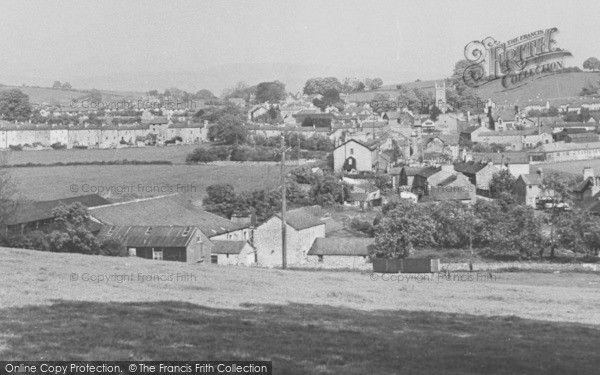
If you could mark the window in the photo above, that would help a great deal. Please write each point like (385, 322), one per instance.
(320, 258)
(198, 239)
(132, 252)
(214, 259)
(186, 231)
(111, 231)
(157, 254)
(148, 231)
(351, 151)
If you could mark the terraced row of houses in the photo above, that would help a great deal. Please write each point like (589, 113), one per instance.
(101, 136)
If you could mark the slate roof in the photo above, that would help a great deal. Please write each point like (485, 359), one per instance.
(428, 171)
(469, 168)
(532, 179)
(562, 146)
(156, 121)
(445, 194)
(228, 247)
(28, 212)
(300, 219)
(471, 129)
(343, 246)
(163, 211)
(148, 236)
(583, 185)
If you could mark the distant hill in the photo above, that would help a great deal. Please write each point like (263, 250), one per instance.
(38, 95)
(540, 88)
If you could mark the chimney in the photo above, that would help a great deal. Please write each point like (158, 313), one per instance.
(587, 173)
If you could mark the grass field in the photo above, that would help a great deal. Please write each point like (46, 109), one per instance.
(134, 181)
(40, 95)
(305, 322)
(174, 154)
(573, 167)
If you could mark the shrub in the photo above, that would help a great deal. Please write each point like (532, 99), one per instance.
(15, 147)
(201, 155)
(113, 248)
(58, 146)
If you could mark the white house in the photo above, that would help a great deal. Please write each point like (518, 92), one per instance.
(356, 155)
(232, 253)
(302, 228)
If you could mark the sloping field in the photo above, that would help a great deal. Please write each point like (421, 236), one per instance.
(40, 95)
(69, 306)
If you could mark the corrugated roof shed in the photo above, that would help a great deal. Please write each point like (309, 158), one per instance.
(28, 212)
(148, 236)
(163, 210)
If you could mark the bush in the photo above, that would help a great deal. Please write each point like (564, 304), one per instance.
(15, 147)
(113, 248)
(58, 146)
(201, 155)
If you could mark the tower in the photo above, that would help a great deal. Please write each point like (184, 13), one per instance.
(440, 97)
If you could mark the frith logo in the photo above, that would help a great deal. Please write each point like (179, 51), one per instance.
(514, 62)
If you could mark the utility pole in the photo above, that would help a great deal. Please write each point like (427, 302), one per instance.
(282, 150)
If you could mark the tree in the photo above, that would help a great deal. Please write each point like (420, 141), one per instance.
(557, 188)
(375, 83)
(435, 113)
(405, 226)
(272, 92)
(95, 95)
(230, 130)
(579, 231)
(320, 85)
(201, 155)
(220, 200)
(8, 194)
(592, 64)
(56, 85)
(450, 221)
(72, 234)
(521, 231)
(502, 182)
(328, 191)
(14, 105)
(113, 247)
(66, 86)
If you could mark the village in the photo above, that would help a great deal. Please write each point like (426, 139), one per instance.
(380, 155)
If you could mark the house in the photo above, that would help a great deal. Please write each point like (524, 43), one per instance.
(528, 188)
(480, 174)
(440, 147)
(517, 163)
(404, 176)
(174, 243)
(355, 155)
(587, 189)
(421, 180)
(471, 133)
(562, 151)
(29, 216)
(339, 252)
(173, 211)
(365, 199)
(232, 253)
(444, 194)
(302, 228)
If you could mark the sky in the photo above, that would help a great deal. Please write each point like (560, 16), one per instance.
(142, 45)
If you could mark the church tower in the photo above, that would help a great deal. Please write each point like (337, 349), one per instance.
(440, 97)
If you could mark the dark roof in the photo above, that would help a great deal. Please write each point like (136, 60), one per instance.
(228, 247)
(28, 212)
(156, 121)
(583, 185)
(148, 236)
(470, 129)
(428, 171)
(469, 168)
(411, 171)
(532, 179)
(447, 194)
(347, 246)
(373, 147)
(300, 219)
(163, 211)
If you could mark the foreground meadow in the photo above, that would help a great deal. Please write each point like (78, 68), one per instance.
(124, 182)
(69, 306)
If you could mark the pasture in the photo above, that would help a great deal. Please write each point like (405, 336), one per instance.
(77, 307)
(125, 182)
(175, 154)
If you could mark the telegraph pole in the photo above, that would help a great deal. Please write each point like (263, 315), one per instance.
(282, 150)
